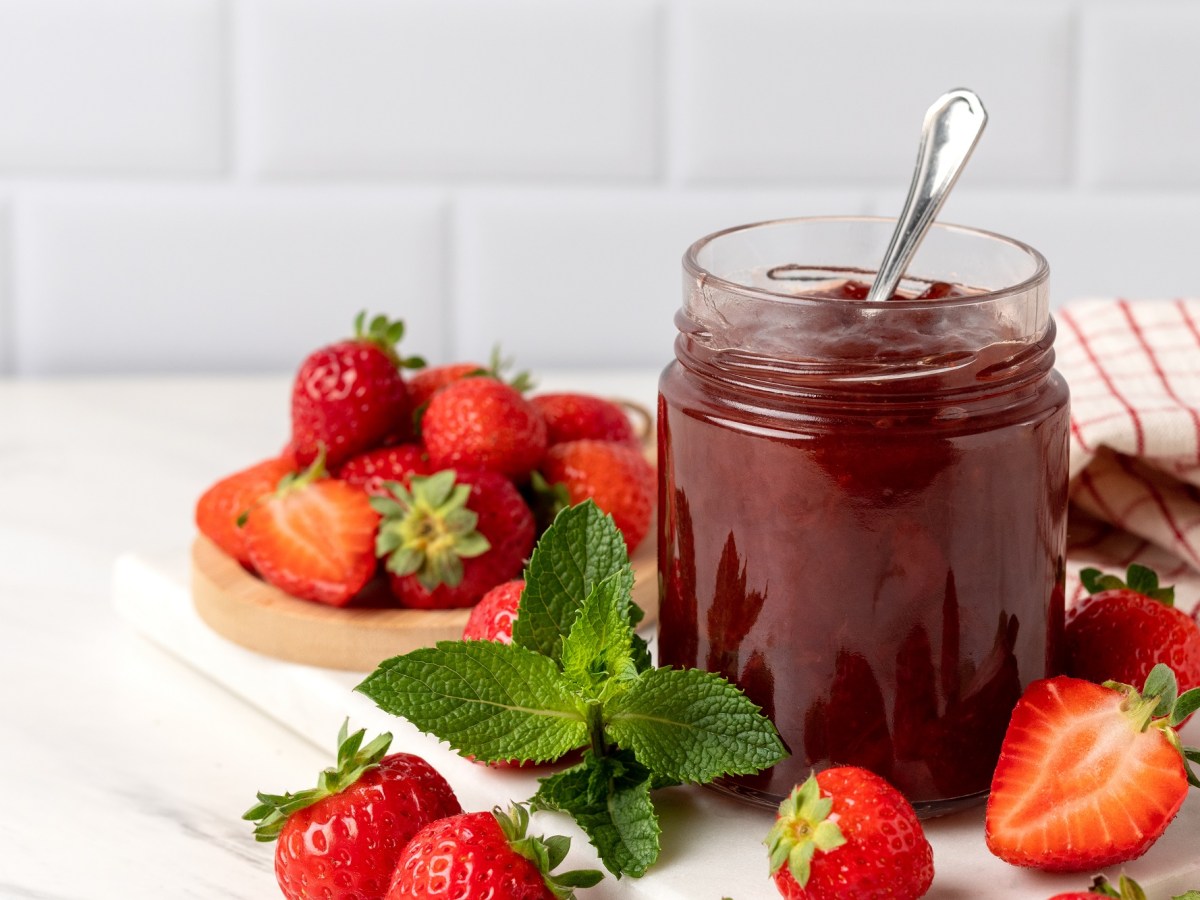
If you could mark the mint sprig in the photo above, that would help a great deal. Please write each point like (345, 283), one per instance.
(578, 676)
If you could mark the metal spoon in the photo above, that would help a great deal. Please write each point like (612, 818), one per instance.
(949, 133)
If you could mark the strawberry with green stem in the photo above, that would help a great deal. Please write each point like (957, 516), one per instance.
(450, 537)
(1123, 628)
(486, 856)
(483, 423)
(429, 381)
(846, 832)
(350, 396)
(1090, 775)
(344, 837)
(1126, 889)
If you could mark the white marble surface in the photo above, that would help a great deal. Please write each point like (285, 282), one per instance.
(128, 768)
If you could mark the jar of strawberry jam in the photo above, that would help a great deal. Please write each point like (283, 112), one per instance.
(863, 504)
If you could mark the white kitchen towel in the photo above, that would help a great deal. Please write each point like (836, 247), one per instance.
(1134, 372)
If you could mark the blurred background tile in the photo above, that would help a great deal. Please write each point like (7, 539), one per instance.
(100, 86)
(220, 185)
(1139, 119)
(810, 92)
(132, 280)
(531, 88)
(592, 278)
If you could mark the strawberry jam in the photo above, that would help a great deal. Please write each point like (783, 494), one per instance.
(863, 505)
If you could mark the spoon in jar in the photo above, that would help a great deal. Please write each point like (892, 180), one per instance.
(949, 133)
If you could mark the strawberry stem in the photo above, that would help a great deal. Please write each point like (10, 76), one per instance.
(804, 827)
(353, 759)
(428, 530)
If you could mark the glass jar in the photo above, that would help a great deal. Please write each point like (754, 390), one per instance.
(863, 505)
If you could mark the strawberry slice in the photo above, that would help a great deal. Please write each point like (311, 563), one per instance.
(220, 507)
(1089, 775)
(314, 537)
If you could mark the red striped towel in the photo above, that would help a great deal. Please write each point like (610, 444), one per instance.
(1134, 372)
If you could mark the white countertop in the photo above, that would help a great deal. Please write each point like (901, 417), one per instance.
(127, 770)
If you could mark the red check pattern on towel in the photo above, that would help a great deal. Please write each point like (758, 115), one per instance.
(1134, 372)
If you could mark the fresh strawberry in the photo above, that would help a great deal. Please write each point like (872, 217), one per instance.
(1089, 775)
(485, 856)
(576, 417)
(371, 469)
(427, 382)
(344, 837)
(1127, 889)
(492, 617)
(220, 507)
(350, 396)
(482, 423)
(314, 537)
(451, 537)
(1124, 628)
(616, 476)
(844, 833)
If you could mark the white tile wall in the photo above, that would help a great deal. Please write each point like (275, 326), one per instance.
(1128, 244)
(1141, 118)
(815, 92)
(95, 86)
(592, 278)
(211, 278)
(527, 88)
(7, 338)
(221, 184)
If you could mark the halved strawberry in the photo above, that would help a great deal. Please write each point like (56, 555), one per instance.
(1089, 775)
(314, 537)
(220, 507)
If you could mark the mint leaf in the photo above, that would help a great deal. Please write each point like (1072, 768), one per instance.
(494, 701)
(609, 798)
(691, 726)
(581, 548)
(598, 651)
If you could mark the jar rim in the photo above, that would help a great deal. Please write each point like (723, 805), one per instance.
(694, 269)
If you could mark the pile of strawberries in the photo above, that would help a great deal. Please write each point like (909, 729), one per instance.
(441, 477)
(382, 826)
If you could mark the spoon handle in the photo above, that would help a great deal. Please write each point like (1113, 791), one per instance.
(949, 133)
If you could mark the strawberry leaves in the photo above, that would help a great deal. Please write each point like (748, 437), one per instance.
(1138, 579)
(353, 759)
(578, 676)
(1160, 705)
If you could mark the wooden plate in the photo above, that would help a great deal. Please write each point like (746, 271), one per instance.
(252, 613)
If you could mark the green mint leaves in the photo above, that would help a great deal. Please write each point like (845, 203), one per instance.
(578, 676)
